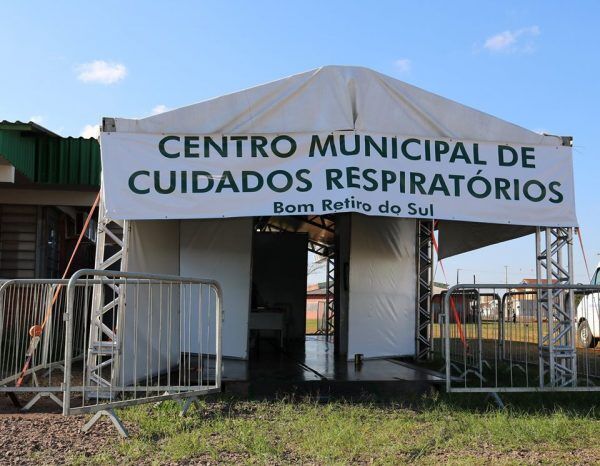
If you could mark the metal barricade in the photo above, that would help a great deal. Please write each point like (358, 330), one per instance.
(478, 311)
(149, 338)
(32, 337)
(543, 337)
(127, 338)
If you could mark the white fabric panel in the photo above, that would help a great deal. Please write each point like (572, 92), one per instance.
(153, 248)
(382, 287)
(334, 98)
(221, 250)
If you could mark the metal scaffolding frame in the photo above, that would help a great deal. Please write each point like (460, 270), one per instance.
(112, 248)
(320, 221)
(424, 259)
(330, 294)
(556, 307)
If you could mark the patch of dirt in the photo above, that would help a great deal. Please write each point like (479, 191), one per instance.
(47, 437)
(524, 456)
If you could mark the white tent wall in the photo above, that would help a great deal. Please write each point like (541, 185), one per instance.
(221, 250)
(153, 248)
(382, 287)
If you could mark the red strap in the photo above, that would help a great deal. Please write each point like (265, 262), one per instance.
(452, 303)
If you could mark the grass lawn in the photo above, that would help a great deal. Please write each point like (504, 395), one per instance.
(458, 430)
(311, 326)
(521, 331)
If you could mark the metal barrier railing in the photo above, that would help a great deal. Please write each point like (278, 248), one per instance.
(31, 363)
(542, 338)
(127, 338)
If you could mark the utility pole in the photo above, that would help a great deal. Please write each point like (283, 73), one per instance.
(506, 274)
(457, 275)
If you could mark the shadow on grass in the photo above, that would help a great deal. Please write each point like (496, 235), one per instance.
(505, 375)
(577, 404)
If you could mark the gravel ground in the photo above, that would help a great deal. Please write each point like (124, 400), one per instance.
(47, 437)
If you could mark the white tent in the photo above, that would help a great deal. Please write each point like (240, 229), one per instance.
(379, 296)
(335, 98)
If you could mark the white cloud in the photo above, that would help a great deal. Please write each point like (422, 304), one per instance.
(90, 131)
(102, 72)
(39, 119)
(160, 109)
(403, 65)
(518, 40)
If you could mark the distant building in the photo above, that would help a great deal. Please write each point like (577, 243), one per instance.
(439, 287)
(522, 302)
(47, 186)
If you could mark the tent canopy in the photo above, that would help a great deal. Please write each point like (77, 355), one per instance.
(335, 98)
(347, 98)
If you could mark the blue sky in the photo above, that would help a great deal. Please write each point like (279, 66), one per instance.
(536, 64)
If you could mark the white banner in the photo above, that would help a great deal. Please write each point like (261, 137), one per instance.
(154, 176)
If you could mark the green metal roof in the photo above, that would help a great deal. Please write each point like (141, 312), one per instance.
(45, 157)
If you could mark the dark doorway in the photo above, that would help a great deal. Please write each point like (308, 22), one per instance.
(278, 319)
(278, 310)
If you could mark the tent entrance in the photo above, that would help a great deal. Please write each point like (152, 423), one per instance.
(285, 320)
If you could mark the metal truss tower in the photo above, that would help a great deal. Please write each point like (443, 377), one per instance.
(424, 259)
(107, 299)
(330, 294)
(556, 307)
